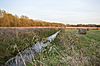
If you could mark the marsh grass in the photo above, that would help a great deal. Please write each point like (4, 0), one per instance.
(68, 49)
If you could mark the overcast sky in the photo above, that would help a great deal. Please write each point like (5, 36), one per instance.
(65, 11)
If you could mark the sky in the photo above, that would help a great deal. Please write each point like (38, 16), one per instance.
(63, 11)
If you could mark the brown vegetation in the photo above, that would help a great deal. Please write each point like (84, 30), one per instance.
(9, 20)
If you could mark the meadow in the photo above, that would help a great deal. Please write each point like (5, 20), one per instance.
(68, 49)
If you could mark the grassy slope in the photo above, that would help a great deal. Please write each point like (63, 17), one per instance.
(68, 49)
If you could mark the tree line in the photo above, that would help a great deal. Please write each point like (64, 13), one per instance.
(9, 20)
(83, 25)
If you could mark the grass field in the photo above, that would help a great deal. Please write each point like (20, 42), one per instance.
(68, 49)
